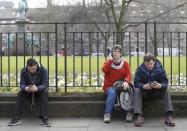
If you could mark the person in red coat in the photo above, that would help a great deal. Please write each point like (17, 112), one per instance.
(115, 69)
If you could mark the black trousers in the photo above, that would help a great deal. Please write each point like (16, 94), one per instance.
(41, 98)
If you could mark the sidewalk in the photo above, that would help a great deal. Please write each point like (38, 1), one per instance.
(92, 124)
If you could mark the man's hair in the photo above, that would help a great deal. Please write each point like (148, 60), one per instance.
(148, 58)
(117, 47)
(31, 62)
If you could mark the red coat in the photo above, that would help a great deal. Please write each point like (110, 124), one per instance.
(112, 75)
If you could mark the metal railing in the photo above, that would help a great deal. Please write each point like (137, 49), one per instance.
(73, 53)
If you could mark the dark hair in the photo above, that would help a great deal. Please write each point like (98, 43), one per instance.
(148, 58)
(117, 47)
(31, 62)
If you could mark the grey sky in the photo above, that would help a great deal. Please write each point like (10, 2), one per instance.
(43, 3)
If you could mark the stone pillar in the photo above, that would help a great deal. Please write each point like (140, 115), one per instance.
(21, 29)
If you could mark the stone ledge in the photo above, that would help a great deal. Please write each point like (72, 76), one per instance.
(88, 105)
(82, 96)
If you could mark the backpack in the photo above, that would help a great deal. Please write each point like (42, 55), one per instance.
(124, 97)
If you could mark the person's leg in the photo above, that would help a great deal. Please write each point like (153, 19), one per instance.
(168, 109)
(138, 101)
(43, 107)
(19, 108)
(167, 102)
(164, 95)
(139, 94)
(22, 95)
(43, 103)
(111, 99)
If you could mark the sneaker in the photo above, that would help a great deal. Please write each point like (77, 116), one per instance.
(129, 117)
(139, 121)
(14, 122)
(44, 122)
(169, 121)
(107, 118)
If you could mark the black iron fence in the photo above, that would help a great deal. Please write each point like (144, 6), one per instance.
(73, 53)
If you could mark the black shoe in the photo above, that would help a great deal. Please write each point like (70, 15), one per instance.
(14, 122)
(44, 122)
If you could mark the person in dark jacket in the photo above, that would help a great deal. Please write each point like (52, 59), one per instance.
(33, 83)
(151, 82)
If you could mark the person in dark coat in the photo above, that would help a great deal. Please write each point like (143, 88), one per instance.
(33, 83)
(151, 82)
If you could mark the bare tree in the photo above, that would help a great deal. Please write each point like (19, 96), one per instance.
(151, 10)
(162, 12)
(117, 14)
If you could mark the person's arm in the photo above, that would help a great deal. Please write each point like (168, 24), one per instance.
(138, 81)
(107, 66)
(44, 81)
(23, 84)
(163, 80)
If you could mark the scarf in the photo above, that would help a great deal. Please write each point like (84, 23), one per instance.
(115, 64)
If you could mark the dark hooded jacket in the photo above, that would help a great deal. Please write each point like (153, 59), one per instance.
(144, 76)
(40, 79)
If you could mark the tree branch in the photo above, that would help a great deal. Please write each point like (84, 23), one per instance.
(107, 3)
(139, 13)
(166, 11)
(113, 11)
(122, 12)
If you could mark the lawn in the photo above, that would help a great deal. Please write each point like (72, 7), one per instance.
(92, 64)
(89, 64)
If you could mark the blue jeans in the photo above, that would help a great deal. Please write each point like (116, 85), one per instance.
(111, 99)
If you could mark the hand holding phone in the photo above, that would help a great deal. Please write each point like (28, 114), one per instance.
(147, 86)
(155, 85)
(28, 88)
(33, 88)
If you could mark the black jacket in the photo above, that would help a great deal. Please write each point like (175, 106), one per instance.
(40, 79)
(144, 76)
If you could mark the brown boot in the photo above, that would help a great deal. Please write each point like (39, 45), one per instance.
(139, 121)
(169, 121)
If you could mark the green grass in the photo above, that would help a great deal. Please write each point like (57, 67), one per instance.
(89, 63)
(11, 61)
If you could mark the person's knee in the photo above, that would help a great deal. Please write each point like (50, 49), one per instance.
(21, 92)
(112, 92)
(43, 93)
(165, 92)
